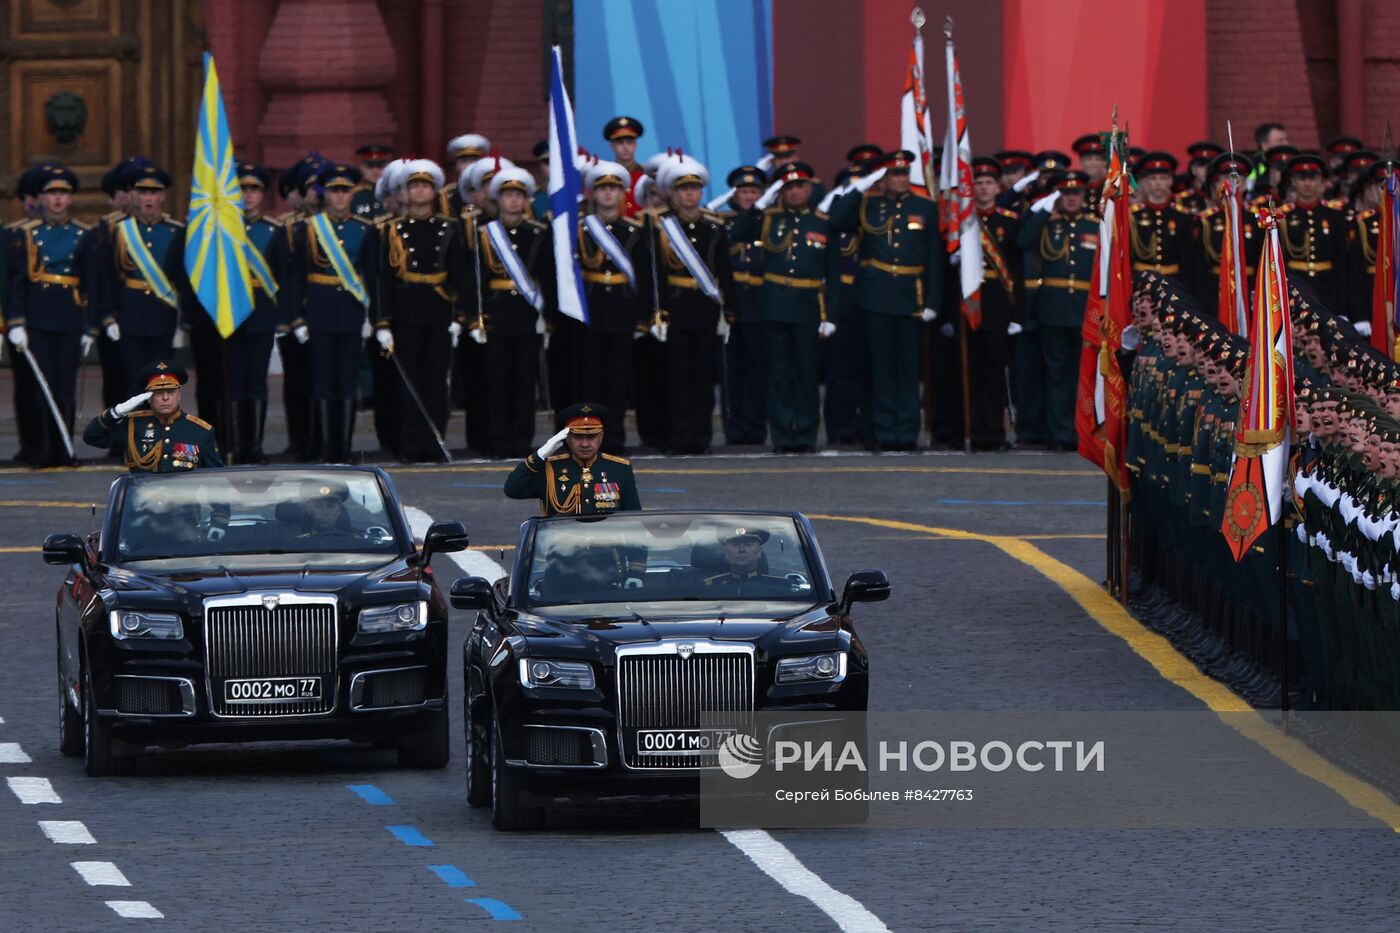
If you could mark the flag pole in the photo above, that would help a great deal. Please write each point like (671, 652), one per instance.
(1283, 679)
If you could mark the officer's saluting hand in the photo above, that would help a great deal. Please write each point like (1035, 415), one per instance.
(582, 480)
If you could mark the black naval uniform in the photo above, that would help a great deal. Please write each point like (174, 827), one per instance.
(471, 385)
(566, 486)
(154, 444)
(1314, 246)
(422, 282)
(617, 313)
(746, 364)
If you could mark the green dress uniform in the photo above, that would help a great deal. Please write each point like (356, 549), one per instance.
(566, 486)
(154, 444)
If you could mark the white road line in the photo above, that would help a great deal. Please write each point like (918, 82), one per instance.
(777, 862)
(473, 563)
(67, 832)
(33, 790)
(102, 873)
(2, 720)
(139, 910)
(12, 754)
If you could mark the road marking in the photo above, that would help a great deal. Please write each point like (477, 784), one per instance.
(67, 832)
(12, 754)
(452, 876)
(409, 835)
(776, 861)
(2, 720)
(136, 910)
(20, 550)
(499, 910)
(1171, 665)
(33, 790)
(783, 469)
(1097, 503)
(371, 794)
(102, 873)
(473, 563)
(47, 504)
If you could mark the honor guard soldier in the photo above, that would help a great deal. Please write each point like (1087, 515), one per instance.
(422, 282)
(746, 363)
(48, 312)
(1314, 237)
(1196, 197)
(334, 280)
(1363, 243)
(745, 577)
(622, 134)
(797, 301)
(1161, 234)
(1210, 234)
(471, 387)
(582, 480)
(696, 285)
(782, 150)
(1015, 164)
(1066, 239)
(539, 204)
(159, 437)
(846, 403)
(115, 183)
(297, 187)
(26, 391)
(616, 274)
(373, 158)
(989, 345)
(1093, 162)
(463, 151)
(898, 289)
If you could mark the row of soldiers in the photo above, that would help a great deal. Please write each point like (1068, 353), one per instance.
(1341, 589)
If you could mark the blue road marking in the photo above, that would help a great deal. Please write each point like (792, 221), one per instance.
(496, 486)
(452, 876)
(499, 910)
(1097, 503)
(661, 489)
(371, 794)
(409, 835)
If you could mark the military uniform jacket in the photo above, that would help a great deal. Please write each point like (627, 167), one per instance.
(1362, 239)
(1314, 245)
(156, 445)
(1161, 240)
(565, 486)
(269, 236)
(614, 306)
(1066, 248)
(52, 273)
(753, 585)
(901, 252)
(364, 204)
(746, 263)
(122, 291)
(424, 278)
(801, 270)
(1001, 268)
(316, 296)
(1208, 242)
(686, 307)
(505, 310)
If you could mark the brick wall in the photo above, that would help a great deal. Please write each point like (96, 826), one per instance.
(496, 73)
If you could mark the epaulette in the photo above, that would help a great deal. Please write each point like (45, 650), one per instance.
(1006, 212)
(24, 224)
(616, 459)
(1368, 213)
(1337, 204)
(82, 226)
(1209, 212)
(275, 221)
(199, 421)
(558, 457)
(172, 221)
(711, 216)
(536, 224)
(142, 413)
(632, 222)
(1285, 208)
(363, 220)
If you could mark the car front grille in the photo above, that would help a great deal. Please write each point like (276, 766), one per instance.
(149, 696)
(286, 641)
(667, 691)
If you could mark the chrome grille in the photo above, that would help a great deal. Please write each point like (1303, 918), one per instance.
(289, 640)
(710, 689)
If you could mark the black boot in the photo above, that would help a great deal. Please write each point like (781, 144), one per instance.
(254, 422)
(346, 443)
(315, 447)
(230, 435)
(324, 422)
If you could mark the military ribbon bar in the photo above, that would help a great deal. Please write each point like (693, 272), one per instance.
(610, 245)
(340, 261)
(501, 245)
(685, 251)
(150, 270)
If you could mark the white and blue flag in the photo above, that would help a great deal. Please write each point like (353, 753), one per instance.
(565, 187)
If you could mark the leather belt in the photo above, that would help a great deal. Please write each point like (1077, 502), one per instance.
(320, 278)
(1078, 285)
(682, 281)
(1159, 268)
(848, 279)
(140, 284)
(1248, 270)
(1302, 265)
(745, 278)
(70, 281)
(891, 268)
(422, 278)
(501, 285)
(608, 278)
(791, 282)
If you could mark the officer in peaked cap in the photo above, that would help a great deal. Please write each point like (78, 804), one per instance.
(580, 480)
(1162, 232)
(539, 204)
(782, 148)
(1314, 236)
(622, 134)
(744, 576)
(157, 436)
(746, 363)
(858, 155)
(373, 158)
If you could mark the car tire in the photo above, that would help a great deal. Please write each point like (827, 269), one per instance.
(70, 725)
(432, 747)
(508, 812)
(478, 761)
(98, 757)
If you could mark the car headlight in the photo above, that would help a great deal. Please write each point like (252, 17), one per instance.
(815, 668)
(574, 675)
(404, 617)
(130, 623)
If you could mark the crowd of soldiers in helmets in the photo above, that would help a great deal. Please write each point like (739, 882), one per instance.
(418, 288)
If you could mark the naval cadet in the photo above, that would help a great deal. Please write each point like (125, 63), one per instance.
(1314, 237)
(463, 152)
(159, 438)
(746, 365)
(581, 481)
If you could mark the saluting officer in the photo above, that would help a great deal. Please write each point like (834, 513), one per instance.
(423, 281)
(989, 345)
(48, 311)
(746, 364)
(159, 438)
(333, 281)
(1314, 237)
(1161, 234)
(581, 481)
(899, 288)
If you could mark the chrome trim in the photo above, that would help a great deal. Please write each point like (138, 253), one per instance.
(264, 649)
(600, 748)
(187, 701)
(357, 690)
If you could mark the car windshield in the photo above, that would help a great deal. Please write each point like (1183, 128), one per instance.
(247, 512)
(658, 557)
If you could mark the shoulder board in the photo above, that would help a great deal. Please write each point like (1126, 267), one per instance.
(718, 576)
(142, 413)
(82, 226)
(1337, 204)
(23, 224)
(1135, 208)
(712, 216)
(1004, 212)
(290, 217)
(171, 220)
(632, 222)
(774, 209)
(1367, 214)
(382, 222)
(616, 459)
(1209, 212)
(199, 421)
(558, 457)
(1090, 216)
(1283, 209)
(364, 220)
(113, 218)
(536, 224)
(274, 221)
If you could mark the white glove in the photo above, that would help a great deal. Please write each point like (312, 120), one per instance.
(130, 405)
(722, 327)
(365, 330)
(719, 202)
(869, 181)
(946, 330)
(215, 533)
(88, 343)
(301, 333)
(765, 162)
(1025, 182)
(178, 341)
(638, 334)
(1362, 327)
(769, 196)
(544, 344)
(385, 338)
(1013, 329)
(478, 335)
(553, 444)
(1046, 204)
(114, 333)
(928, 315)
(955, 259)
(454, 330)
(19, 337)
(658, 331)
(831, 196)
(826, 329)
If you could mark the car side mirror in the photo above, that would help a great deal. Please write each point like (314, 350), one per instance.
(444, 538)
(64, 549)
(865, 586)
(472, 593)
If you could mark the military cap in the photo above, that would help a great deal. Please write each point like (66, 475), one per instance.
(307, 171)
(985, 167)
(1228, 162)
(583, 418)
(512, 179)
(1072, 181)
(1340, 145)
(338, 175)
(374, 154)
(56, 178)
(420, 170)
(684, 170)
(652, 166)
(25, 185)
(1279, 154)
(864, 152)
(251, 175)
(325, 489)
(162, 374)
(623, 128)
(1089, 144)
(1153, 163)
(1014, 158)
(1134, 154)
(1050, 160)
(1379, 171)
(541, 150)
(391, 179)
(468, 144)
(608, 173)
(149, 177)
(732, 533)
(1306, 164)
(1329, 395)
(750, 176)
(1204, 151)
(1386, 430)
(794, 172)
(1181, 182)
(1304, 389)
(479, 176)
(900, 160)
(1359, 159)
(781, 145)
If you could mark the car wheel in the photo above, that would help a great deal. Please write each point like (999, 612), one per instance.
(478, 761)
(431, 748)
(98, 756)
(508, 813)
(70, 724)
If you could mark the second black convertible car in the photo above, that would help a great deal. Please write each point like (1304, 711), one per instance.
(624, 649)
(252, 604)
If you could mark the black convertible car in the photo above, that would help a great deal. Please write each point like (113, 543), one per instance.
(251, 604)
(625, 649)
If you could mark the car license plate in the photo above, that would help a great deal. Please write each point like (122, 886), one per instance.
(681, 741)
(272, 690)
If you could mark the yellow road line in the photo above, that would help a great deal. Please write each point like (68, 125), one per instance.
(20, 550)
(47, 504)
(492, 547)
(1170, 664)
